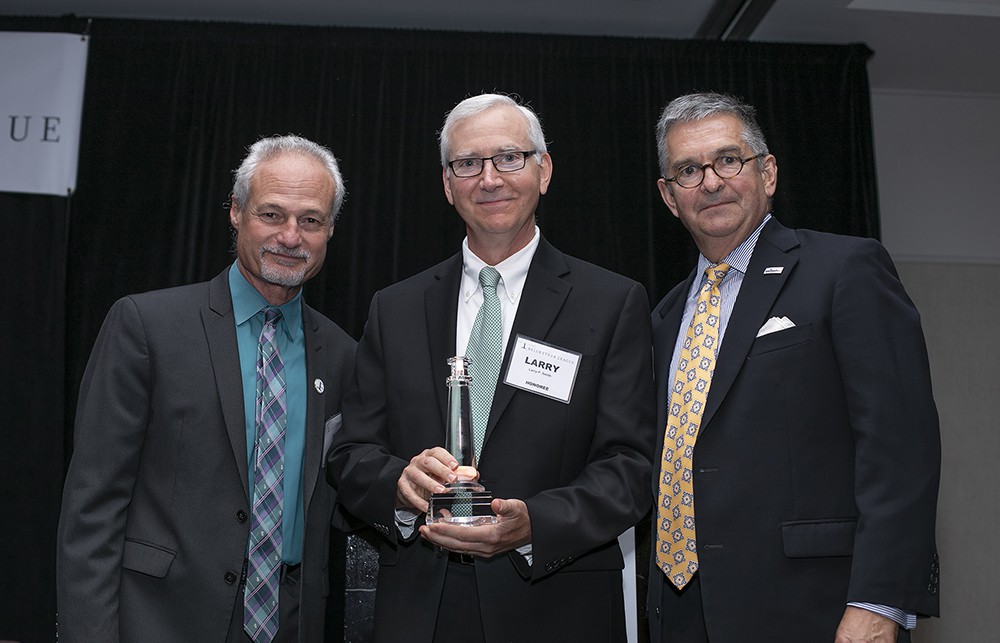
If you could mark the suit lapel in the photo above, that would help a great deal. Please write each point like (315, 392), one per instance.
(220, 332)
(441, 319)
(315, 361)
(755, 300)
(667, 324)
(545, 292)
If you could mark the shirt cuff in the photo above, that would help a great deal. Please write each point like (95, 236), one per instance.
(405, 521)
(525, 551)
(906, 620)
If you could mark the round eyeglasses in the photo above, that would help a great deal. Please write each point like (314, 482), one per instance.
(725, 167)
(503, 162)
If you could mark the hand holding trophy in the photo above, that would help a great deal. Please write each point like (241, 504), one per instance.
(464, 501)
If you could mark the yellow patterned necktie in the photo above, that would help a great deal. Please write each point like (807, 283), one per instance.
(676, 551)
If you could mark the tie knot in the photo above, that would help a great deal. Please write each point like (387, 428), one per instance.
(716, 273)
(271, 315)
(489, 277)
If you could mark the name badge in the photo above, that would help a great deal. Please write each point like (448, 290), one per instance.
(543, 369)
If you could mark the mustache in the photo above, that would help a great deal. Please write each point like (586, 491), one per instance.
(298, 253)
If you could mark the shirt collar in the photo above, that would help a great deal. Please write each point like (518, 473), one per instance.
(513, 270)
(739, 258)
(248, 302)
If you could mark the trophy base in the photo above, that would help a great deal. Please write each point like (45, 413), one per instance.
(464, 503)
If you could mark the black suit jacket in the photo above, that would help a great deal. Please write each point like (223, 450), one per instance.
(155, 515)
(582, 468)
(817, 462)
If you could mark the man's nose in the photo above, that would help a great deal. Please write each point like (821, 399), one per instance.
(491, 177)
(289, 233)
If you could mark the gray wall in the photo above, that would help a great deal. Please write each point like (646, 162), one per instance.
(941, 222)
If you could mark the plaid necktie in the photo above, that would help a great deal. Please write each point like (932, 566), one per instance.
(260, 605)
(676, 551)
(485, 353)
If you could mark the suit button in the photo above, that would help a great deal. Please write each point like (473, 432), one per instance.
(241, 515)
(230, 578)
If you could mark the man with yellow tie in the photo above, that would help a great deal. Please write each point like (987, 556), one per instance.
(799, 456)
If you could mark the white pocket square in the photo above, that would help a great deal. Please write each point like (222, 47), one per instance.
(775, 324)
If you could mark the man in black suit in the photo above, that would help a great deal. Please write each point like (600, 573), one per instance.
(568, 472)
(159, 502)
(815, 470)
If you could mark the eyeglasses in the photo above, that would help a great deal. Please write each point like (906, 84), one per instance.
(503, 162)
(725, 167)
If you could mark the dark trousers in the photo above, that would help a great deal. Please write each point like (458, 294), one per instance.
(686, 623)
(288, 609)
(459, 617)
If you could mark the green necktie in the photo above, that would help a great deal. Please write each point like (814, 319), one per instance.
(485, 353)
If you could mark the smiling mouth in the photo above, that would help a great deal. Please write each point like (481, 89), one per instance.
(715, 205)
(284, 257)
(494, 201)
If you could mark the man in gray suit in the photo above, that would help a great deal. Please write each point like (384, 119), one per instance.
(195, 507)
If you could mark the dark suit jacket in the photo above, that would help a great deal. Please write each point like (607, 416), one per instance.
(154, 524)
(817, 462)
(583, 468)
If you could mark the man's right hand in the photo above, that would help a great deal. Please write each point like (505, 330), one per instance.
(427, 473)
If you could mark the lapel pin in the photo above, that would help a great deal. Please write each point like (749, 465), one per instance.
(319, 386)
(773, 270)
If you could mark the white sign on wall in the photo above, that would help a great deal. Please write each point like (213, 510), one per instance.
(41, 101)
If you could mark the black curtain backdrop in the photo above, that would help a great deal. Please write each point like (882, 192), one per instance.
(171, 106)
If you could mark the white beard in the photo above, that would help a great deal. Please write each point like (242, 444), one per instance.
(280, 275)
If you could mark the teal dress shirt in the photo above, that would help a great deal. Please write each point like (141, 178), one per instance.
(248, 311)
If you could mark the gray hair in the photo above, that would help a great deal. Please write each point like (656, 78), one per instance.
(476, 105)
(695, 107)
(271, 146)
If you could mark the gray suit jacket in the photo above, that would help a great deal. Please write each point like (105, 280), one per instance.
(155, 515)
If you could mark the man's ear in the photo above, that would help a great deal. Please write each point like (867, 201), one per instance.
(667, 194)
(447, 187)
(234, 215)
(545, 173)
(769, 170)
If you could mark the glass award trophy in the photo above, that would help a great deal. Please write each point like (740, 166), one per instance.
(464, 501)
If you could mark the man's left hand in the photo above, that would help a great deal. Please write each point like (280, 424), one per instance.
(864, 626)
(512, 530)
